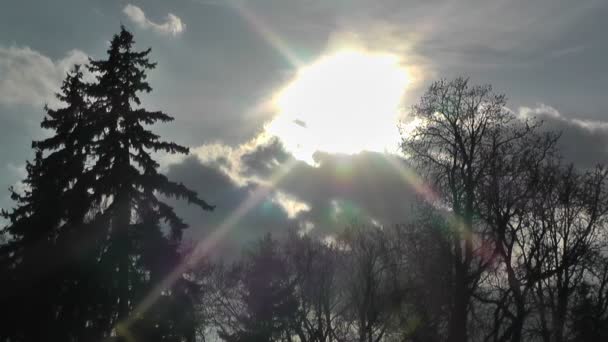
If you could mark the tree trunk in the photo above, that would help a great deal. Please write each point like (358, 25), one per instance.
(559, 316)
(457, 326)
(121, 235)
(518, 322)
(515, 285)
(122, 225)
(457, 331)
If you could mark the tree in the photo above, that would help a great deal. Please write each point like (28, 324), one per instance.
(94, 206)
(518, 156)
(590, 308)
(572, 212)
(42, 264)
(138, 253)
(462, 128)
(267, 294)
(368, 306)
(313, 266)
(423, 253)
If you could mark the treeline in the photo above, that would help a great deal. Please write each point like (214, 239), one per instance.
(507, 241)
(397, 284)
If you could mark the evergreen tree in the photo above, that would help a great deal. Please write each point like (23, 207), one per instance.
(37, 258)
(90, 237)
(143, 232)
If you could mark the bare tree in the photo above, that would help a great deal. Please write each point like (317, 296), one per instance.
(508, 191)
(572, 212)
(423, 262)
(589, 314)
(221, 306)
(460, 126)
(367, 310)
(313, 265)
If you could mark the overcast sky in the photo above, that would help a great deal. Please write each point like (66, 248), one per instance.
(218, 60)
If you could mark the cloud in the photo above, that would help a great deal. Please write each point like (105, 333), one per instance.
(254, 160)
(264, 213)
(340, 190)
(582, 142)
(264, 159)
(540, 111)
(173, 24)
(365, 188)
(29, 77)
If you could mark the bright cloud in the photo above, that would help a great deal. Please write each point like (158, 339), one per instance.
(292, 206)
(173, 24)
(540, 110)
(29, 77)
(543, 112)
(582, 141)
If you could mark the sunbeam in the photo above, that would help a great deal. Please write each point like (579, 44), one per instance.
(267, 33)
(410, 177)
(204, 246)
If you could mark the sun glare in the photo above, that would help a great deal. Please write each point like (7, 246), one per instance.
(346, 102)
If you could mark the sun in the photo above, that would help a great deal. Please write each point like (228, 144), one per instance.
(346, 102)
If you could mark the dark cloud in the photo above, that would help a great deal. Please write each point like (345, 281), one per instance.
(582, 142)
(217, 188)
(264, 159)
(345, 189)
(365, 188)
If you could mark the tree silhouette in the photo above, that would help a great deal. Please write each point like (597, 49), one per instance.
(590, 312)
(484, 163)
(313, 265)
(573, 216)
(423, 253)
(267, 294)
(369, 305)
(127, 183)
(93, 208)
(509, 191)
(450, 150)
(43, 268)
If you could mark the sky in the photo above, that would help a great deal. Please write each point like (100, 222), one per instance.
(226, 68)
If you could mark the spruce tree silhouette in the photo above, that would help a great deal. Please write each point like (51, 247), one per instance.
(40, 280)
(138, 254)
(91, 236)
